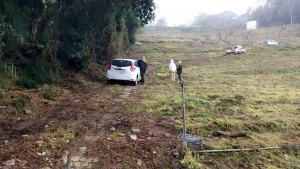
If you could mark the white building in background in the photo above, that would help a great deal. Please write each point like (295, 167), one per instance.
(252, 25)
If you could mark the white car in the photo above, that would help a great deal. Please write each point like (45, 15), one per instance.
(238, 49)
(269, 42)
(124, 70)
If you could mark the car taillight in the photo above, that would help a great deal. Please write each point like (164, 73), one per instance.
(132, 68)
(108, 67)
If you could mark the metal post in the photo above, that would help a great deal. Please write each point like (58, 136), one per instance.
(183, 115)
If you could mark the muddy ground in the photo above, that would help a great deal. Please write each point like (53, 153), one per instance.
(83, 131)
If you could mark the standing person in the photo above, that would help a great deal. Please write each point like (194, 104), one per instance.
(143, 67)
(172, 69)
(179, 70)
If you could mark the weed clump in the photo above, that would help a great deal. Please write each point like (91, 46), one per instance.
(48, 95)
(20, 103)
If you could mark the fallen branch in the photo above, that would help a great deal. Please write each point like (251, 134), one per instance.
(232, 134)
(235, 150)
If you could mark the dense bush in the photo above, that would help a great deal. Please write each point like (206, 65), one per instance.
(44, 38)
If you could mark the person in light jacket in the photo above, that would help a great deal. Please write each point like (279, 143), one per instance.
(172, 69)
(179, 70)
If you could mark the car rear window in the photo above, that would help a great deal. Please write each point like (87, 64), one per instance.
(121, 63)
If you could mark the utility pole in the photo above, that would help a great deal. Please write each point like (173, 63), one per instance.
(184, 140)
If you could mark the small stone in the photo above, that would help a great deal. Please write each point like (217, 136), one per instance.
(108, 138)
(139, 163)
(6, 142)
(136, 130)
(154, 152)
(82, 150)
(75, 158)
(176, 154)
(113, 129)
(286, 157)
(41, 154)
(149, 138)
(269, 160)
(28, 111)
(76, 101)
(10, 162)
(133, 137)
(167, 135)
(3, 107)
(46, 126)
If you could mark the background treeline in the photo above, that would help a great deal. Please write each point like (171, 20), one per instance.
(272, 13)
(221, 21)
(276, 12)
(44, 38)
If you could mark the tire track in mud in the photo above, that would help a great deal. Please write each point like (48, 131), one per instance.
(64, 113)
(109, 116)
(156, 138)
(93, 147)
(99, 128)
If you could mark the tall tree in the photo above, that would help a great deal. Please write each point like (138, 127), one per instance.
(291, 8)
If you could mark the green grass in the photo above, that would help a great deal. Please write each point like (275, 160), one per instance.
(258, 92)
(6, 79)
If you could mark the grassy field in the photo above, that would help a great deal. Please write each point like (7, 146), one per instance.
(258, 92)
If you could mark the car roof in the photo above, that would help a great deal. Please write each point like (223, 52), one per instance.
(126, 59)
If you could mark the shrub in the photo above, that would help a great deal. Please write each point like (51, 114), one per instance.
(20, 102)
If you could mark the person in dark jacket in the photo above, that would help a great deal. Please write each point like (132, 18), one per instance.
(143, 67)
(179, 70)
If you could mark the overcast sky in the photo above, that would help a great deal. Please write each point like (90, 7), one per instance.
(179, 12)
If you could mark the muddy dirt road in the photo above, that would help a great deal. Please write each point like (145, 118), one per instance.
(83, 131)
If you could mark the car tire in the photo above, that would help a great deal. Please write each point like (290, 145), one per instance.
(109, 82)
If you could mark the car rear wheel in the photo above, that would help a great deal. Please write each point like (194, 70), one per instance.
(109, 82)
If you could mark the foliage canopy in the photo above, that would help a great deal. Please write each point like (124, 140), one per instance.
(46, 37)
